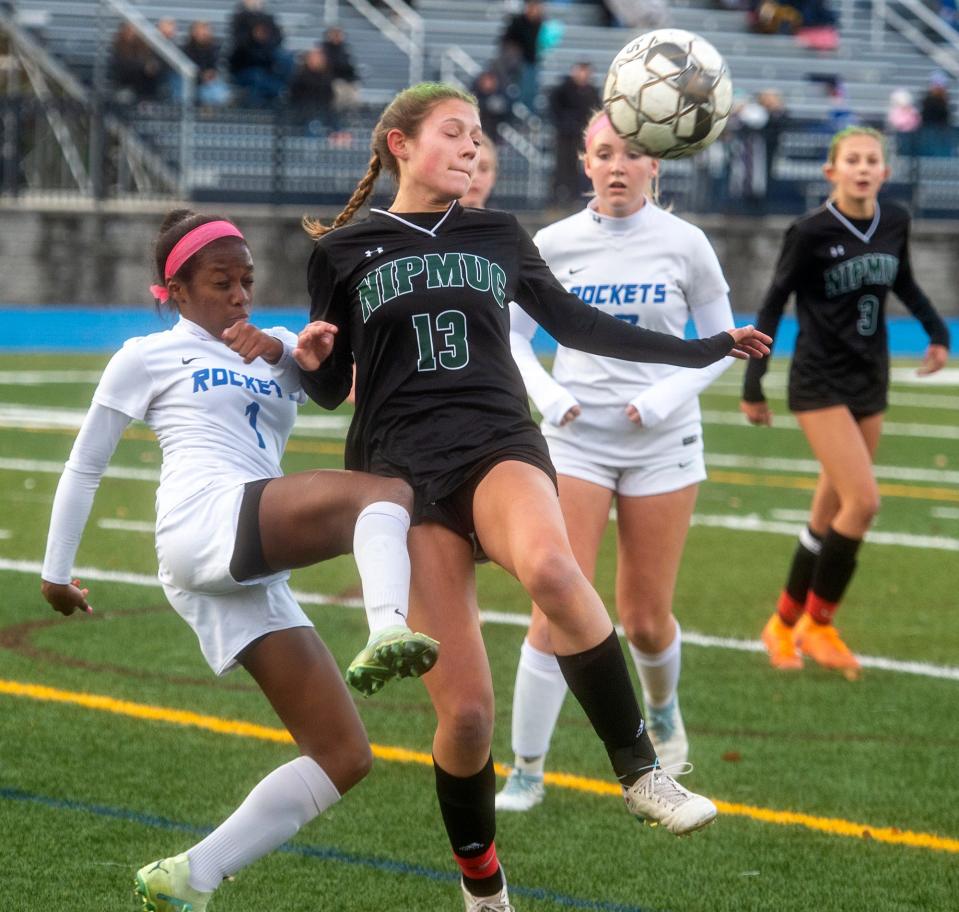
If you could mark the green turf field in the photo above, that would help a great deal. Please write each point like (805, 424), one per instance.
(833, 795)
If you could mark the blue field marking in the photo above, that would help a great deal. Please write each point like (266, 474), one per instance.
(324, 853)
(105, 329)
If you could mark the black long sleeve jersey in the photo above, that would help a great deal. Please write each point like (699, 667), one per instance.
(421, 303)
(841, 270)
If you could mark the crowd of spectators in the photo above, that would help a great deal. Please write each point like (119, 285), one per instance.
(254, 69)
(251, 65)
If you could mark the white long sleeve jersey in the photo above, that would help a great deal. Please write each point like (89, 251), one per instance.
(217, 420)
(652, 269)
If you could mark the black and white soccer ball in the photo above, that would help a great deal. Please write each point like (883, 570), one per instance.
(669, 92)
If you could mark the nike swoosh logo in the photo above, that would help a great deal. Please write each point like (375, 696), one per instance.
(684, 465)
(574, 271)
(190, 360)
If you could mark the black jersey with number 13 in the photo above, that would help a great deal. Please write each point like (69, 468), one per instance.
(421, 303)
(841, 270)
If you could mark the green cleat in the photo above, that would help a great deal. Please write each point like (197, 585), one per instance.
(164, 886)
(395, 652)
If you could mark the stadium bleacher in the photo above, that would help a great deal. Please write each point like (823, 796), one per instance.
(264, 155)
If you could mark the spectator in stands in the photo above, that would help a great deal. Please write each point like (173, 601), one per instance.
(522, 31)
(258, 61)
(903, 122)
(767, 17)
(748, 163)
(949, 13)
(571, 104)
(204, 50)
(818, 31)
(639, 14)
(346, 80)
(311, 92)
(495, 104)
(171, 82)
(771, 100)
(135, 70)
(936, 132)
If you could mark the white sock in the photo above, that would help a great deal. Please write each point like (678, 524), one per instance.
(379, 548)
(659, 672)
(280, 803)
(537, 700)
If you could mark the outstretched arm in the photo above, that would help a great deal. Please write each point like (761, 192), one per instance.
(791, 257)
(577, 325)
(908, 291)
(101, 431)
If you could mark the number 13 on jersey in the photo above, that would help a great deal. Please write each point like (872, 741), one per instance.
(450, 328)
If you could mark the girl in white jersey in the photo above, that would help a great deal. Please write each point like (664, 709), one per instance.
(617, 429)
(221, 397)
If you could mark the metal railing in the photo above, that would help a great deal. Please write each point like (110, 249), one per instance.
(913, 20)
(185, 68)
(406, 29)
(80, 127)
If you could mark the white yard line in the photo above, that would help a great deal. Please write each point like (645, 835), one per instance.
(31, 416)
(889, 428)
(753, 523)
(45, 377)
(945, 512)
(126, 525)
(690, 637)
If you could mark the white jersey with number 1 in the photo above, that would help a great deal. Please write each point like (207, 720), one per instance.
(652, 269)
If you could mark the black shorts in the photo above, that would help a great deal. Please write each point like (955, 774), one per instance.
(247, 560)
(863, 391)
(455, 510)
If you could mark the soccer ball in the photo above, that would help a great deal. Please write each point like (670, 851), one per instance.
(668, 92)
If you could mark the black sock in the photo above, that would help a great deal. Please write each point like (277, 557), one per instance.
(836, 565)
(467, 806)
(600, 681)
(804, 565)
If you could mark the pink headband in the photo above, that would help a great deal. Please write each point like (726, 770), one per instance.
(190, 243)
(601, 123)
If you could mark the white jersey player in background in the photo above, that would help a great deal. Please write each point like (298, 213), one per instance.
(221, 397)
(616, 429)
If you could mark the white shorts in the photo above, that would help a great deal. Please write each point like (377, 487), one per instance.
(194, 543)
(667, 471)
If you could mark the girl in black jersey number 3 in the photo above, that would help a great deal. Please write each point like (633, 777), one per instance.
(419, 293)
(841, 260)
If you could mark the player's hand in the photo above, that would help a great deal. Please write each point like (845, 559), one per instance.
(571, 414)
(632, 413)
(314, 344)
(749, 342)
(66, 597)
(757, 412)
(251, 343)
(935, 359)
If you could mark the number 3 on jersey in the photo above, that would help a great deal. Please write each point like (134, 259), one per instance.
(868, 315)
(454, 351)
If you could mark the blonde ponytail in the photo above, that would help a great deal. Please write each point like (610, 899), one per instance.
(316, 229)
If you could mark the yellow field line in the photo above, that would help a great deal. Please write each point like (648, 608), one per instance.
(886, 489)
(830, 825)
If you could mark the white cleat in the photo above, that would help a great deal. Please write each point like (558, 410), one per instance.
(658, 798)
(522, 791)
(668, 734)
(499, 902)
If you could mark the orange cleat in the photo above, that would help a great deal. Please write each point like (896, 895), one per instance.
(777, 637)
(822, 643)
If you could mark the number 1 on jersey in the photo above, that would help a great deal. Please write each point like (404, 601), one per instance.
(252, 410)
(451, 325)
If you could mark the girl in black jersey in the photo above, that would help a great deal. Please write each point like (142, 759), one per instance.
(419, 293)
(841, 261)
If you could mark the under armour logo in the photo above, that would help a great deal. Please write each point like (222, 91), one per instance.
(837, 251)
(370, 253)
